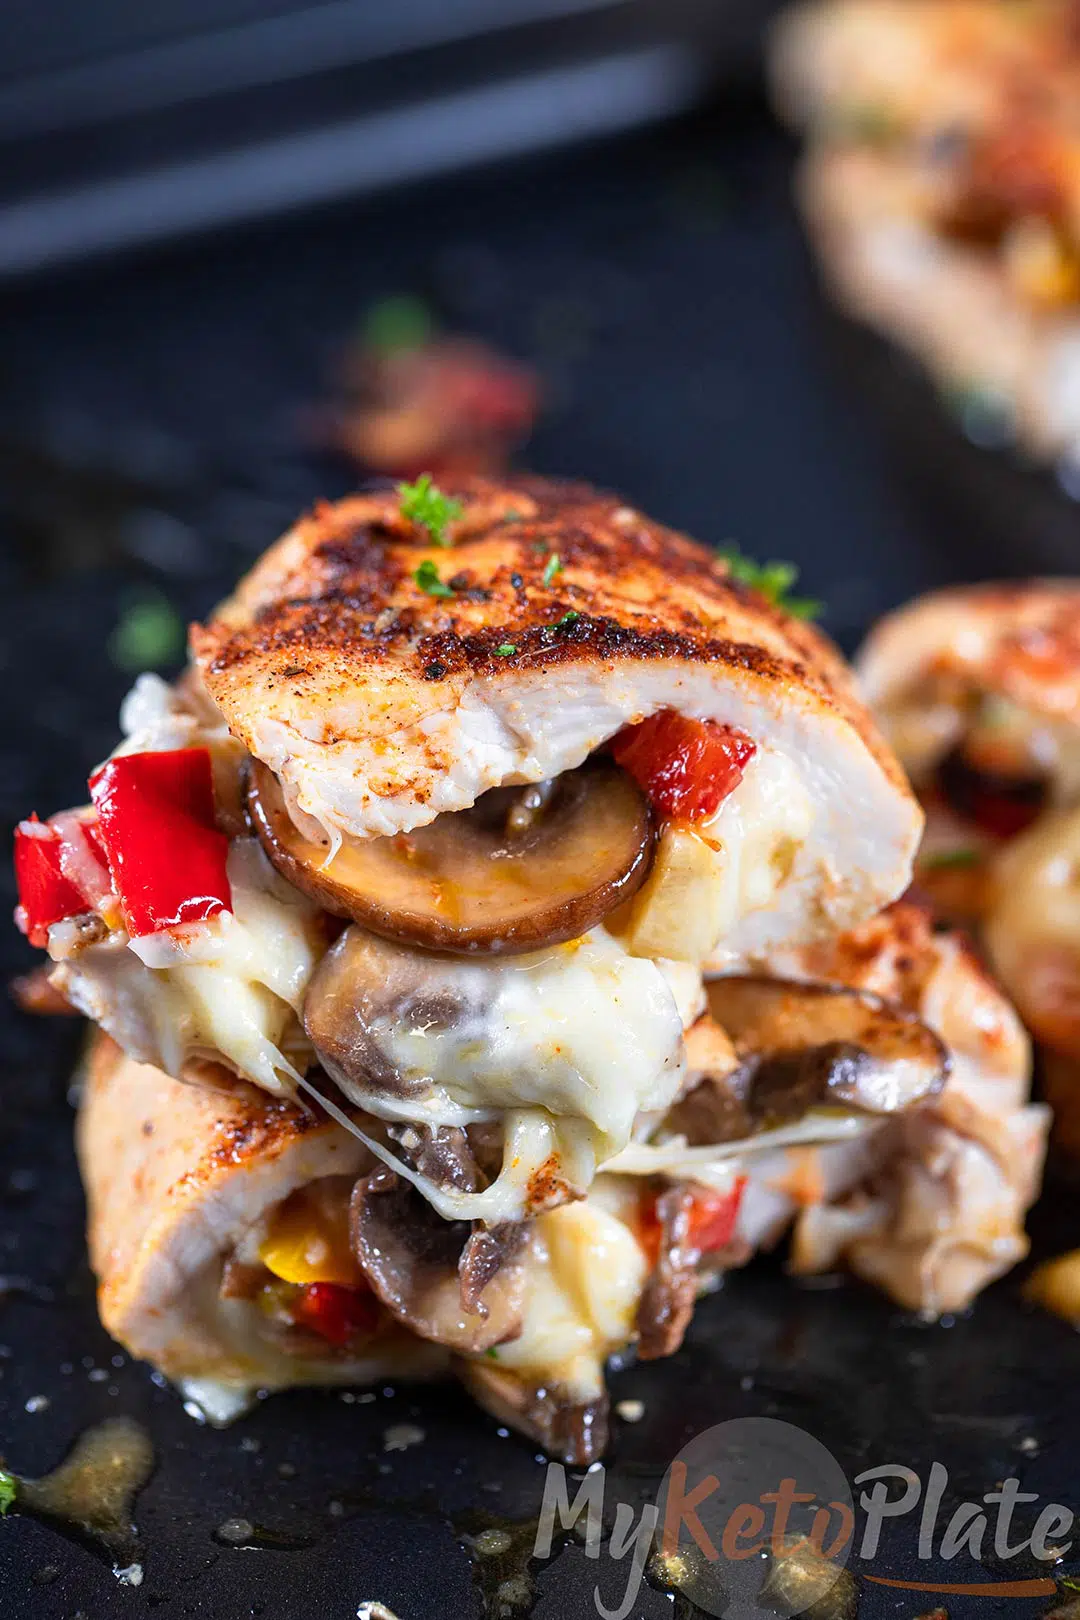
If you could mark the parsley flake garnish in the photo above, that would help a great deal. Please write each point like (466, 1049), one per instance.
(8, 1490)
(552, 567)
(427, 577)
(772, 580)
(950, 859)
(424, 504)
(568, 618)
(504, 649)
(149, 634)
(398, 322)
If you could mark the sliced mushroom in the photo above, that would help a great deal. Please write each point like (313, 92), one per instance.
(369, 995)
(487, 1251)
(802, 1046)
(412, 1258)
(715, 1107)
(568, 1427)
(441, 1154)
(667, 1301)
(486, 879)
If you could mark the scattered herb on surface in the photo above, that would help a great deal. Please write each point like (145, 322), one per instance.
(772, 580)
(427, 577)
(8, 1490)
(950, 859)
(504, 649)
(400, 322)
(148, 635)
(424, 504)
(568, 618)
(552, 567)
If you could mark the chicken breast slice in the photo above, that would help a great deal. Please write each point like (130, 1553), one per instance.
(380, 706)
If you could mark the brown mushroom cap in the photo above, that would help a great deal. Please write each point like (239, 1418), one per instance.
(485, 879)
(806, 1045)
(413, 1258)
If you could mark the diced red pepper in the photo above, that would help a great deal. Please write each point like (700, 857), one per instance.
(686, 768)
(166, 854)
(46, 896)
(338, 1314)
(713, 1216)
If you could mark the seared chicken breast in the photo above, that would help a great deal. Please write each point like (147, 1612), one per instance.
(942, 190)
(243, 1243)
(460, 792)
(979, 690)
(561, 617)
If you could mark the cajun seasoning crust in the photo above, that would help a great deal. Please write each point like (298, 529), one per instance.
(1020, 641)
(335, 605)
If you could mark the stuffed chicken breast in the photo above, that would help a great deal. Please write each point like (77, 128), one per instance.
(459, 794)
(243, 1243)
(978, 689)
(942, 191)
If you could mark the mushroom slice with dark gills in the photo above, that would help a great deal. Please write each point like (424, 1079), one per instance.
(562, 1050)
(807, 1046)
(523, 868)
(421, 1267)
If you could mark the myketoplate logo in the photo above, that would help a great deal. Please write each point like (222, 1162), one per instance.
(756, 1517)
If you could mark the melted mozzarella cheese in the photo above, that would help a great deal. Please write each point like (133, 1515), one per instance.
(584, 1277)
(583, 1030)
(568, 1047)
(230, 988)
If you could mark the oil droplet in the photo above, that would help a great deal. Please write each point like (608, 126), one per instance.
(501, 1551)
(235, 1532)
(240, 1532)
(93, 1491)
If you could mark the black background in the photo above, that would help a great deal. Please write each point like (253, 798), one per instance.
(150, 438)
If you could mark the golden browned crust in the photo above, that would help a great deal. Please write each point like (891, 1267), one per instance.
(338, 592)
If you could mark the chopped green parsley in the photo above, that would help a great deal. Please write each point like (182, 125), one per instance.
(8, 1490)
(504, 649)
(950, 859)
(398, 322)
(424, 504)
(552, 567)
(772, 580)
(148, 635)
(427, 577)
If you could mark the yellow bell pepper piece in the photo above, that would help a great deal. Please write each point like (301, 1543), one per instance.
(308, 1241)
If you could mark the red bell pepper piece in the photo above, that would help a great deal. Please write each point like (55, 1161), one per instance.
(166, 854)
(686, 768)
(338, 1314)
(46, 896)
(711, 1226)
(713, 1217)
